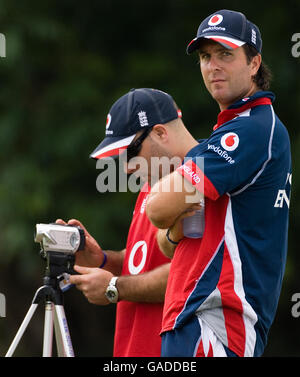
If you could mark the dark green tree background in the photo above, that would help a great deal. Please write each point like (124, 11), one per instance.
(66, 63)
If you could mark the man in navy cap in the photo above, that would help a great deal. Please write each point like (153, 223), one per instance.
(223, 289)
(223, 33)
(142, 124)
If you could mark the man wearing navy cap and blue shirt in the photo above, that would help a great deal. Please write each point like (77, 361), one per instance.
(223, 289)
(144, 123)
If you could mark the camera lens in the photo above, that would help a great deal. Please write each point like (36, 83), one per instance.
(74, 241)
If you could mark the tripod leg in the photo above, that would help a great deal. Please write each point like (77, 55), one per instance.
(21, 330)
(58, 336)
(63, 335)
(48, 329)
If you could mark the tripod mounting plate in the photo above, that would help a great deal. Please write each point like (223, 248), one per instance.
(59, 263)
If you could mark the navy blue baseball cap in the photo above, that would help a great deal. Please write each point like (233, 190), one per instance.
(136, 110)
(229, 28)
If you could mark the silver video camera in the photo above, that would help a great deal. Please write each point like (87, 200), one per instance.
(66, 239)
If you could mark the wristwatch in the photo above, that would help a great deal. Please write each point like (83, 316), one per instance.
(112, 293)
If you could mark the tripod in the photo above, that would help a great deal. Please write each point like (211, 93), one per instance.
(51, 293)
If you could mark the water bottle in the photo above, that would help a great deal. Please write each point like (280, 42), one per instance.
(193, 226)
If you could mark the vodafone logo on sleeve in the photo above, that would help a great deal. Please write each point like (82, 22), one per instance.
(230, 141)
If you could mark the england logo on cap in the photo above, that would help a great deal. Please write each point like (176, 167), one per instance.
(216, 19)
(230, 141)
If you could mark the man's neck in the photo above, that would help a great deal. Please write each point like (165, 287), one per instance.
(249, 93)
(186, 144)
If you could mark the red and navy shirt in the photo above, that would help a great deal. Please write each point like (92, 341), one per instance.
(138, 324)
(232, 277)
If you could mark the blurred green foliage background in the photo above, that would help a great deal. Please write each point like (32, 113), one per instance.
(66, 63)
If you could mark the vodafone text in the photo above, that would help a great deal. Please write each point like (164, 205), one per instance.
(221, 153)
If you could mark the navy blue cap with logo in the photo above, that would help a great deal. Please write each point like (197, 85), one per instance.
(229, 28)
(136, 110)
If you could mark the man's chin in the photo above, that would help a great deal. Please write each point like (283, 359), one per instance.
(219, 95)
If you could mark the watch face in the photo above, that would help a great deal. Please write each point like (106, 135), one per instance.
(111, 294)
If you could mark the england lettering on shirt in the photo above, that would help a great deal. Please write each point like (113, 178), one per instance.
(282, 196)
(143, 206)
(189, 171)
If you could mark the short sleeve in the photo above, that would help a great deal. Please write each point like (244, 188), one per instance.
(229, 159)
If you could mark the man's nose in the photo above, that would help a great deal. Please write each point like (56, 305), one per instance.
(214, 63)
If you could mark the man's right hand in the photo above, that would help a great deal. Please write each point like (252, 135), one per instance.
(91, 255)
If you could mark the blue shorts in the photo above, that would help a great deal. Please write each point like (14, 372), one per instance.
(194, 339)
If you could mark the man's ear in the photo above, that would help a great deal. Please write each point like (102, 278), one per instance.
(159, 131)
(255, 64)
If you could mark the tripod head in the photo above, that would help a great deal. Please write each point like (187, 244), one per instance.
(58, 263)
